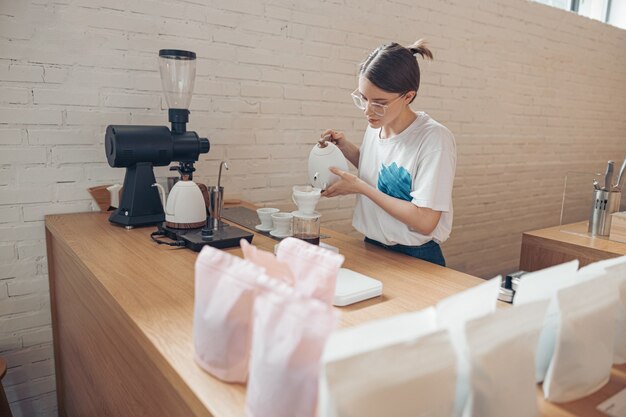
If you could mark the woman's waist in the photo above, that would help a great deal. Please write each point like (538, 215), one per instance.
(374, 222)
(429, 244)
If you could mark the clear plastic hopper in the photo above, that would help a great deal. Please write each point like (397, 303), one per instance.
(178, 74)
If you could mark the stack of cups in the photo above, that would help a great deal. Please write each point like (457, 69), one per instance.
(273, 221)
(303, 223)
(282, 224)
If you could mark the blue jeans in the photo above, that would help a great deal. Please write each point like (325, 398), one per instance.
(429, 252)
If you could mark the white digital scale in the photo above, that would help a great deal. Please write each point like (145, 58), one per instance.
(353, 287)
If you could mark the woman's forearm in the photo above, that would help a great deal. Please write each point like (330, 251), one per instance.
(421, 219)
(352, 154)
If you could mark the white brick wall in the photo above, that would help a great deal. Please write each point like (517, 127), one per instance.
(530, 93)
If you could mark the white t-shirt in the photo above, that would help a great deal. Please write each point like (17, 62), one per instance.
(418, 165)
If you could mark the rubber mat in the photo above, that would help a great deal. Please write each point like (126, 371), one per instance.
(248, 218)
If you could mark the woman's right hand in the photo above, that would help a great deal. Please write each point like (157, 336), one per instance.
(336, 137)
(347, 148)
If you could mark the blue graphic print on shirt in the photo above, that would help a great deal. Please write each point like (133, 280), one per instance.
(395, 181)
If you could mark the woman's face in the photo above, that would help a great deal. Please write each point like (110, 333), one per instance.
(395, 103)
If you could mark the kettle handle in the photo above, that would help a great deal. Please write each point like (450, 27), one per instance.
(161, 193)
(114, 193)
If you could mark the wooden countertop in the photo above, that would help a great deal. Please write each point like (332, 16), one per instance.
(151, 286)
(146, 293)
(576, 234)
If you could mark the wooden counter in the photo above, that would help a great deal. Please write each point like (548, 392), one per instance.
(122, 310)
(555, 245)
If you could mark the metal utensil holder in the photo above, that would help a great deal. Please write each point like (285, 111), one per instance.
(604, 203)
(216, 198)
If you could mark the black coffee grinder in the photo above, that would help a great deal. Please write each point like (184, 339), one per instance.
(140, 148)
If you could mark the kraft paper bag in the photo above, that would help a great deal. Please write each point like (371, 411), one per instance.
(315, 269)
(501, 348)
(290, 331)
(267, 260)
(452, 313)
(225, 290)
(543, 285)
(583, 354)
(396, 367)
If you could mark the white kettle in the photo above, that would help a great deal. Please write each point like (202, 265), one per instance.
(321, 159)
(185, 207)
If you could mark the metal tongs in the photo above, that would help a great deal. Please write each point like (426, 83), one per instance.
(608, 176)
(620, 178)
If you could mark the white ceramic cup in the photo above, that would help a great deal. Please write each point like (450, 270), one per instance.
(282, 223)
(265, 215)
(306, 198)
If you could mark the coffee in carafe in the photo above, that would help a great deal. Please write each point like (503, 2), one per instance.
(307, 227)
(309, 238)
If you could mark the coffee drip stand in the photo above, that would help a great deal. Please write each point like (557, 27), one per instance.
(140, 148)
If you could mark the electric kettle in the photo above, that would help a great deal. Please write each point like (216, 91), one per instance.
(321, 159)
(185, 207)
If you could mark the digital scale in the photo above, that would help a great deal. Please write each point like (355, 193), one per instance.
(352, 287)
(222, 236)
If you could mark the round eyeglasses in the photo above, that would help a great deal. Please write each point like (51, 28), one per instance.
(377, 108)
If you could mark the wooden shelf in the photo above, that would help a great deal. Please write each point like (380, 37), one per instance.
(555, 245)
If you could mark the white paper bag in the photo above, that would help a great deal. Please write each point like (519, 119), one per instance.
(290, 331)
(605, 264)
(452, 314)
(619, 354)
(583, 354)
(501, 349)
(616, 271)
(225, 289)
(395, 367)
(315, 269)
(543, 285)
(267, 260)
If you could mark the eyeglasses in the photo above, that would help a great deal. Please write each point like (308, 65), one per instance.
(377, 108)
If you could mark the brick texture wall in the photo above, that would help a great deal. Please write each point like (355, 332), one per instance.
(530, 92)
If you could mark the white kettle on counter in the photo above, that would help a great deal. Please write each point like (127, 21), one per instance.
(185, 207)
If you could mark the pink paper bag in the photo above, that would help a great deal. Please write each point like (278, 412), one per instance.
(273, 267)
(290, 331)
(225, 289)
(315, 269)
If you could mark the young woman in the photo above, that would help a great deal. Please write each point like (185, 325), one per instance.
(406, 162)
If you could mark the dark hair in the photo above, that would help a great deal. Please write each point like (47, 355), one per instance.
(393, 67)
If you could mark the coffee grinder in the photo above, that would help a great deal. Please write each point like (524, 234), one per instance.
(140, 148)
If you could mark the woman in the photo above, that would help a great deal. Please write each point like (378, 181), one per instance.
(406, 162)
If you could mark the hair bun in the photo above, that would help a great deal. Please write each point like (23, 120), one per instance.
(419, 47)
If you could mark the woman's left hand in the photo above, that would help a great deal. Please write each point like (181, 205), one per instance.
(348, 184)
